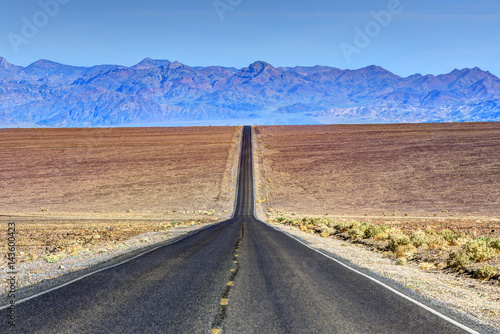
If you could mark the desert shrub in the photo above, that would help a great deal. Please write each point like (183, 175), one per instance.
(485, 272)
(449, 236)
(480, 250)
(375, 231)
(397, 239)
(356, 233)
(402, 261)
(485, 239)
(403, 251)
(495, 244)
(343, 227)
(326, 232)
(280, 219)
(459, 259)
(74, 250)
(473, 251)
(436, 241)
(331, 223)
(324, 221)
(430, 231)
(418, 239)
(32, 257)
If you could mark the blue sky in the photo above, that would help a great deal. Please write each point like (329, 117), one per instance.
(419, 35)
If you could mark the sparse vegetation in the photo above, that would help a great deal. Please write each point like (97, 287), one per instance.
(54, 258)
(486, 272)
(462, 250)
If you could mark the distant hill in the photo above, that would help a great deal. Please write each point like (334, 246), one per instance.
(160, 92)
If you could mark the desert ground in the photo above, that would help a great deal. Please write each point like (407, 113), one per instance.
(74, 194)
(412, 170)
(139, 172)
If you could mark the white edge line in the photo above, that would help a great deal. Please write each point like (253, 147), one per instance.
(442, 316)
(103, 269)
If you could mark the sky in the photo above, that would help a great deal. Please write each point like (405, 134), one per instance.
(403, 36)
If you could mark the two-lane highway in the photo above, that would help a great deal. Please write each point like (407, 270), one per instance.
(239, 276)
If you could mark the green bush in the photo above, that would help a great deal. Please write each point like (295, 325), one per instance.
(418, 239)
(450, 236)
(343, 227)
(356, 233)
(479, 250)
(486, 272)
(372, 231)
(398, 239)
(459, 259)
(495, 244)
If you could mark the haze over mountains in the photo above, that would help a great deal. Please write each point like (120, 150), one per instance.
(160, 92)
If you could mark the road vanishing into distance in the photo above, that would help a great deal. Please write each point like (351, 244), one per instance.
(237, 276)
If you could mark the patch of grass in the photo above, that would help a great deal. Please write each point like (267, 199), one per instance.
(53, 258)
(427, 266)
(402, 262)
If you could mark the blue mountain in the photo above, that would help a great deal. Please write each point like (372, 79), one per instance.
(160, 92)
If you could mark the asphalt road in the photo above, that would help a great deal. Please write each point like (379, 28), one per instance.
(239, 276)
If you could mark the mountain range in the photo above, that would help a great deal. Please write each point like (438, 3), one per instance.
(160, 92)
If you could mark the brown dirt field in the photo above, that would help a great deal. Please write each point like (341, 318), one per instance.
(72, 190)
(440, 171)
(116, 172)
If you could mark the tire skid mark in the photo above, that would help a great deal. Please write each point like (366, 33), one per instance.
(221, 315)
